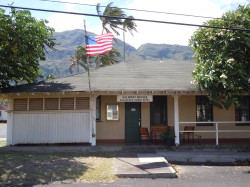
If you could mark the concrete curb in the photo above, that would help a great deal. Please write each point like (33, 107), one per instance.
(60, 148)
(206, 156)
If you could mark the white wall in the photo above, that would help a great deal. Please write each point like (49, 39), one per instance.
(3, 115)
(50, 127)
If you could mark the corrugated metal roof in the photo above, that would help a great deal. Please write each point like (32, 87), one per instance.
(141, 76)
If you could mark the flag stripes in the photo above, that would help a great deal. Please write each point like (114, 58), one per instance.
(99, 44)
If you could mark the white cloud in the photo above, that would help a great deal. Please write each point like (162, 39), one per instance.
(168, 33)
(62, 22)
(230, 4)
(149, 32)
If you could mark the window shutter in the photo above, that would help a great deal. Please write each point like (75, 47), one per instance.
(20, 104)
(51, 104)
(36, 104)
(82, 103)
(67, 103)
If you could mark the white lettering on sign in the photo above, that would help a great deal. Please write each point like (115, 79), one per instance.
(134, 98)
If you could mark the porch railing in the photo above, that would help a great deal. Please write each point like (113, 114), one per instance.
(217, 131)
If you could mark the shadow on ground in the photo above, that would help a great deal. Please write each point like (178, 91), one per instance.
(17, 168)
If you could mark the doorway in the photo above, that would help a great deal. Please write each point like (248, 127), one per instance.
(132, 122)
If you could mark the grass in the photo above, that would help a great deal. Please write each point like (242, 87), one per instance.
(21, 168)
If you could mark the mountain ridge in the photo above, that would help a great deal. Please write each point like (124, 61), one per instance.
(58, 61)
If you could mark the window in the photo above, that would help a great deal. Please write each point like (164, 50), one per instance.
(20, 104)
(67, 103)
(98, 108)
(113, 112)
(51, 104)
(82, 103)
(204, 110)
(242, 112)
(36, 104)
(158, 110)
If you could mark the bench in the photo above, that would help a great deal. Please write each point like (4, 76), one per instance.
(158, 131)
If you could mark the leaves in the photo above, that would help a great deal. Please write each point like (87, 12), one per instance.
(223, 57)
(80, 58)
(111, 18)
(22, 44)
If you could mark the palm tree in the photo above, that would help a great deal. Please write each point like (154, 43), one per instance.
(80, 58)
(114, 21)
(128, 25)
(118, 20)
(112, 57)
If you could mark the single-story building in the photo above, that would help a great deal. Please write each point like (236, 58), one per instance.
(111, 105)
(3, 113)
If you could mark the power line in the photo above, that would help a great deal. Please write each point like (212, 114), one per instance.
(134, 19)
(139, 10)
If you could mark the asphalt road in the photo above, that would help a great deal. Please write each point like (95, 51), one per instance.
(3, 130)
(188, 175)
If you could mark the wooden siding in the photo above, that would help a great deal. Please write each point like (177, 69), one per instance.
(53, 127)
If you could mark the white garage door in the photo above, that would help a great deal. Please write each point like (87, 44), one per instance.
(54, 127)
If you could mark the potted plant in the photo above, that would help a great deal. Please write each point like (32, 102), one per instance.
(169, 136)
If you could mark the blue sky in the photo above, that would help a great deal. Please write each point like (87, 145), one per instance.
(147, 32)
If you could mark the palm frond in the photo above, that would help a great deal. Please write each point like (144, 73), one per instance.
(98, 10)
(108, 8)
(112, 57)
(129, 25)
(113, 18)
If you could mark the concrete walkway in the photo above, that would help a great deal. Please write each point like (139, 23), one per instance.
(149, 161)
(144, 165)
(155, 165)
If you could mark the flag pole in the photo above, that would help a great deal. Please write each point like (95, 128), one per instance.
(93, 124)
(85, 34)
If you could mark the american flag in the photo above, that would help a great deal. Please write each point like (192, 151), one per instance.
(99, 44)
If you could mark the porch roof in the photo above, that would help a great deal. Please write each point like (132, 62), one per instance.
(141, 76)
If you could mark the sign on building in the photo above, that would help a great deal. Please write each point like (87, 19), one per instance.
(134, 98)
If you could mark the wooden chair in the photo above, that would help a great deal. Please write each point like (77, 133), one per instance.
(188, 135)
(144, 134)
(157, 131)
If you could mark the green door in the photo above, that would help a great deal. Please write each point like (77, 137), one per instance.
(132, 121)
